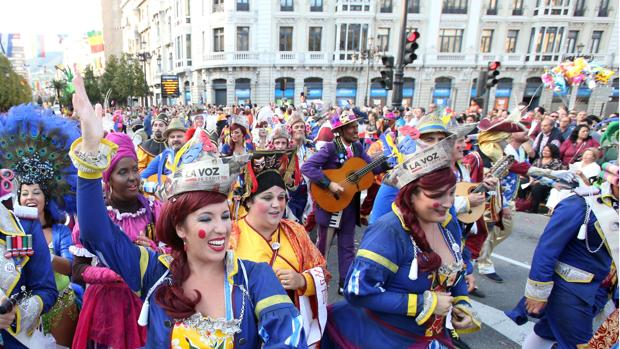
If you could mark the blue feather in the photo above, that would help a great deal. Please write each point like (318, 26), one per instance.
(28, 131)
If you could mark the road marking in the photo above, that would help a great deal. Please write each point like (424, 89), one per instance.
(512, 261)
(497, 320)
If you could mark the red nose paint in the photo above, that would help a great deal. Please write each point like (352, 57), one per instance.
(202, 234)
(436, 205)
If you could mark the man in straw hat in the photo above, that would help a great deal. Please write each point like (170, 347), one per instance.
(345, 146)
(161, 164)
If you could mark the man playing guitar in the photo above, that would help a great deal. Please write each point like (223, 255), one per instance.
(332, 155)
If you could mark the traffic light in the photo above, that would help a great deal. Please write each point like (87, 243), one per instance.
(492, 73)
(410, 46)
(387, 74)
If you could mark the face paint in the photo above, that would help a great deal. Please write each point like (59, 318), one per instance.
(202, 234)
(436, 205)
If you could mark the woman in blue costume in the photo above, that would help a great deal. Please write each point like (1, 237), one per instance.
(408, 275)
(47, 184)
(185, 306)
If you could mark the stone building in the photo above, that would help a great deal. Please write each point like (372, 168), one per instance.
(234, 51)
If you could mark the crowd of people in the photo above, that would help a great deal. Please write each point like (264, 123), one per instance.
(210, 226)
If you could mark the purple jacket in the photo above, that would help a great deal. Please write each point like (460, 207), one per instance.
(326, 159)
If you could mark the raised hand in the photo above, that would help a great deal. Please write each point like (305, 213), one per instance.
(90, 118)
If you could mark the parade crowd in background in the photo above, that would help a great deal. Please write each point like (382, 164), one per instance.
(204, 226)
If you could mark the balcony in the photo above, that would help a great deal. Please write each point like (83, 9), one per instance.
(312, 58)
(239, 58)
(597, 57)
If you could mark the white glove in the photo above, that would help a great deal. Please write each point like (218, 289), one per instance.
(564, 175)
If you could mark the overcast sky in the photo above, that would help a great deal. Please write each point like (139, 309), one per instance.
(49, 16)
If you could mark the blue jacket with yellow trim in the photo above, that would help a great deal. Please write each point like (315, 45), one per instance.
(387, 194)
(559, 244)
(270, 317)
(36, 274)
(378, 279)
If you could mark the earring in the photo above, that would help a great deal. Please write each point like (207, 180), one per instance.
(184, 245)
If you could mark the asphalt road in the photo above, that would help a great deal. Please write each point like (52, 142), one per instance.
(512, 261)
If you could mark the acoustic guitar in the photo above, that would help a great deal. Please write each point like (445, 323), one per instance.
(354, 176)
(499, 170)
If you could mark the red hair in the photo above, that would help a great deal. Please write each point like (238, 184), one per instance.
(171, 296)
(429, 260)
(232, 128)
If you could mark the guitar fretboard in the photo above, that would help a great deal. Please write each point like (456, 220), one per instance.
(364, 170)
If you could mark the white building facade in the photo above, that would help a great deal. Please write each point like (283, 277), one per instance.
(237, 51)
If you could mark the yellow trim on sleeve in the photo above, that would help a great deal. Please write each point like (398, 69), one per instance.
(379, 259)
(144, 262)
(269, 301)
(412, 304)
(109, 148)
(460, 298)
(430, 311)
(86, 175)
(476, 324)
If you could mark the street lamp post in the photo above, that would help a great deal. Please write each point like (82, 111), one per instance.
(368, 54)
(143, 57)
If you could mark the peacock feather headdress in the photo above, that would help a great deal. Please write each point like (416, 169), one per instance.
(35, 143)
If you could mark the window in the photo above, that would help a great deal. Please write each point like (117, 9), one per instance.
(286, 5)
(286, 38)
(243, 5)
(243, 38)
(188, 48)
(454, 6)
(550, 39)
(450, 40)
(178, 50)
(573, 35)
(517, 7)
(511, 41)
(486, 40)
(314, 38)
(385, 6)
(218, 40)
(580, 8)
(596, 41)
(188, 12)
(492, 9)
(603, 8)
(353, 37)
(218, 5)
(316, 5)
(383, 39)
(414, 6)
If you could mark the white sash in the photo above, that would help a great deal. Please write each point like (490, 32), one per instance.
(607, 218)
(315, 325)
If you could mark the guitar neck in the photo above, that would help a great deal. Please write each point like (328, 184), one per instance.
(376, 162)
